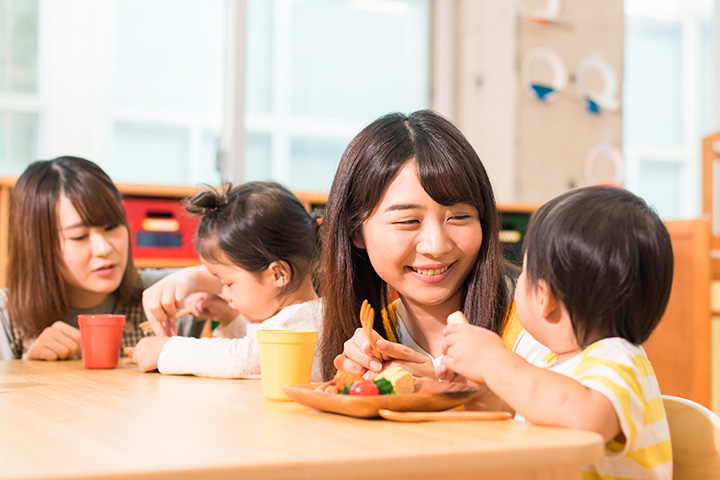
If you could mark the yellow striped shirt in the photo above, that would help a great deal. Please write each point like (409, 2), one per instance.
(622, 373)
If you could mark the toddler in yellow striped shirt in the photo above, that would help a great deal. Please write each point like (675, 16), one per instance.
(596, 279)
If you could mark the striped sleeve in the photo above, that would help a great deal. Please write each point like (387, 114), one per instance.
(623, 374)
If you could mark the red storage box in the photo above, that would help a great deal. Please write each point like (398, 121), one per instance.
(160, 228)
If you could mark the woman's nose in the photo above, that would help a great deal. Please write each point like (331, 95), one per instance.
(99, 243)
(434, 240)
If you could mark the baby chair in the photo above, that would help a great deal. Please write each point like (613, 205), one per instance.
(695, 437)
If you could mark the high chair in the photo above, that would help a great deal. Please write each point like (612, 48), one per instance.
(695, 437)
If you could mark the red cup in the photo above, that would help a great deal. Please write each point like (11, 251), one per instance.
(101, 336)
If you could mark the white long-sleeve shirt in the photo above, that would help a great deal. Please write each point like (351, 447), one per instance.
(237, 354)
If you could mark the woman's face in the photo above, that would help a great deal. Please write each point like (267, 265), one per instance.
(422, 249)
(95, 257)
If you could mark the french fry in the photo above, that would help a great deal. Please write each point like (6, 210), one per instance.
(367, 318)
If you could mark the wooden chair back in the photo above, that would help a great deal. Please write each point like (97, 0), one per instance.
(695, 437)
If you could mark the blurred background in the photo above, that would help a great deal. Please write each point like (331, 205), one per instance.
(180, 92)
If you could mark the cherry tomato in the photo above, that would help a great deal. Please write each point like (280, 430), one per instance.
(364, 387)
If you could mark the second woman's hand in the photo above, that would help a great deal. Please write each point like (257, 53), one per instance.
(59, 341)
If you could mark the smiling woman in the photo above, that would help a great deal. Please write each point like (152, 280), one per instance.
(412, 212)
(69, 254)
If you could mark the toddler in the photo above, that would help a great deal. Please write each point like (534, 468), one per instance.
(597, 274)
(257, 246)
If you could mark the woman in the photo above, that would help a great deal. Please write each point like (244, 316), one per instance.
(69, 254)
(411, 212)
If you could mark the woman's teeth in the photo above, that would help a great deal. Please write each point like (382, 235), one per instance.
(434, 271)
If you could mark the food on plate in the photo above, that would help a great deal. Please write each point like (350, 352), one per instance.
(390, 381)
(457, 317)
(364, 388)
(340, 381)
(401, 380)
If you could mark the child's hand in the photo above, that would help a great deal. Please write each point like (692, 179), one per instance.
(162, 301)
(205, 305)
(468, 350)
(147, 352)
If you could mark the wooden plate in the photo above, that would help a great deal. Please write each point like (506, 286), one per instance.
(428, 396)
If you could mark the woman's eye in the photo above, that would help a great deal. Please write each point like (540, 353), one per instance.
(406, 222)
(111, 227)
(78, 238)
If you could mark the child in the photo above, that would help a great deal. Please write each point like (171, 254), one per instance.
(257, 245)
(597, 275)
(69, 254)
(411, 209)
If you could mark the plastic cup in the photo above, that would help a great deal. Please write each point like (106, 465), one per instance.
(286, 358)
(101, 336)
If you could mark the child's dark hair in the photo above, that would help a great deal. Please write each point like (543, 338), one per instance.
(607, 256)
(253, 225)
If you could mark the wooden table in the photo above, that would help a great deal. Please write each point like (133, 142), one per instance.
(60, 421)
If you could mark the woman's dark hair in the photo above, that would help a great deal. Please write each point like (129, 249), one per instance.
(451, 173)
(253, 225)
(37, 295)
(607, 256)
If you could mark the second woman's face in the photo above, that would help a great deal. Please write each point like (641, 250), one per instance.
(422, 249)
(95, 257)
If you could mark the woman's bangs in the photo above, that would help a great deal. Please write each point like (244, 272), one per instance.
(449, 184)
(104, 209)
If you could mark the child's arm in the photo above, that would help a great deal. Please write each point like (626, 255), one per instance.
(162, 300)
(541, 396)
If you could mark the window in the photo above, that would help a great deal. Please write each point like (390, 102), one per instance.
(668, 100)
(19, 96)
(141, 87)
(318, 71)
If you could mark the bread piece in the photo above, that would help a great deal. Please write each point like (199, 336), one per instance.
(457, 317)
(402, 381)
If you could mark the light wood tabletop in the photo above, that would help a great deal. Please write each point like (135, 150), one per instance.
(61, 421)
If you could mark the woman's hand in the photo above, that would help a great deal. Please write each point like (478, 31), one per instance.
(357, 357)
(59, 341)
(205, 305)
(147, 352)
(398, 355)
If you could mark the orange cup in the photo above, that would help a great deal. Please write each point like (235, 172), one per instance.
(101, 336)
